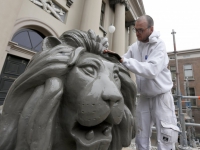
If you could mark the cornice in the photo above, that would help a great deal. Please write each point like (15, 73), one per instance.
(14, 46)
(132, 10)
(138, 7)
(124, 2)
(197, 50)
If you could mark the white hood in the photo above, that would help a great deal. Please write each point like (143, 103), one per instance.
(154, 37)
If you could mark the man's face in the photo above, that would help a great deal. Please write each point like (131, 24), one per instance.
(142, 30)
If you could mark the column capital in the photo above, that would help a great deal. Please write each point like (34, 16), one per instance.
(124, 2)
(129, 23)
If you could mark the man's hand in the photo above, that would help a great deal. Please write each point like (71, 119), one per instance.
(111, 52)
(108, 51)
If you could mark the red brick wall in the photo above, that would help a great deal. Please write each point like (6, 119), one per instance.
(195, 62)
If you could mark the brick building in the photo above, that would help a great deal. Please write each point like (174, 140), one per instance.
(188, 68)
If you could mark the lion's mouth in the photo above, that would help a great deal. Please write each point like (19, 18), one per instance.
(92, 138)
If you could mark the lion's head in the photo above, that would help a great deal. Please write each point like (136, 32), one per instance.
(71, 96)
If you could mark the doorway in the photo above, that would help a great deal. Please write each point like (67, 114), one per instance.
(13, 67)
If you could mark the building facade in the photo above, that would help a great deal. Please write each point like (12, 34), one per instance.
(25, 23)
(189, 73)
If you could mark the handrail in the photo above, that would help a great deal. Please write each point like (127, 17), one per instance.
(186, 97)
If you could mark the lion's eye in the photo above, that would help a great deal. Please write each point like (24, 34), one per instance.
(116, 75)
(89, 70)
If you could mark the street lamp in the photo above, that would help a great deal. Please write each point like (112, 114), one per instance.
(111, 29)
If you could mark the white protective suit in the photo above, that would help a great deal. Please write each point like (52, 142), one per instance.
(149, 62)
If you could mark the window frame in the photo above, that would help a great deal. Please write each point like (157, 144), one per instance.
(195, 100)
(30, 38)
(173, 90)
(189, 78)
(102, 15)
(173, 73)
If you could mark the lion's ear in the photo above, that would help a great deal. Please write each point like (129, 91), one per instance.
(50, 42)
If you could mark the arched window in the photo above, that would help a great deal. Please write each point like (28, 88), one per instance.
(29, 38)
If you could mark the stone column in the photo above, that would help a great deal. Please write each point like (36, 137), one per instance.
(118, 43)
(132, 39)
(126, 39)
(9, 10)
(132, 35)
(91, 15)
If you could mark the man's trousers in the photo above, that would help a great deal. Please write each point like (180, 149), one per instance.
(159, 111)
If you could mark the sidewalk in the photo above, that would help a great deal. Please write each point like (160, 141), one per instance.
(133, 147)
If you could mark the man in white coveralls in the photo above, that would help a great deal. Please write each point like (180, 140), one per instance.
(148, 59)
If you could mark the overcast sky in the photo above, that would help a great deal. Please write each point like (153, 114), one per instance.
(181, 15)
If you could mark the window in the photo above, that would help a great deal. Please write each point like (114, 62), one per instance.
(173, 72)
(102, 14)
(172, 57)
(192, 93)
(188, 72)
(30, 39)
(173, 90)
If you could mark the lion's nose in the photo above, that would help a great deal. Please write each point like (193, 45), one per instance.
(114, 99)
(112, 96)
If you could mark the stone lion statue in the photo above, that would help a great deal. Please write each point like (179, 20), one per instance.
(71, 97)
